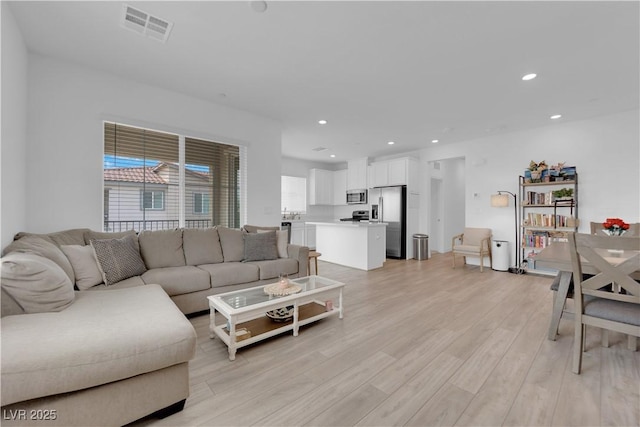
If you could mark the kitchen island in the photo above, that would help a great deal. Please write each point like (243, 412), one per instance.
(359, 245)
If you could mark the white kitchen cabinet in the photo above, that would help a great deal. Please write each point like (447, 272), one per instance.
(402, 171)
(310, 236)
(379, 174)
(340, 187)
(397, 171)
(357, 174)
(320, 187)
(298, 233)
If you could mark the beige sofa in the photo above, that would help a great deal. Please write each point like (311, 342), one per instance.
(189, 264)
(109, 354)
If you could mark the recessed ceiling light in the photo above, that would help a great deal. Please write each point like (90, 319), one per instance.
(434, 141)
(555, 116)
(529, 76)
(391, 142)
(333, 155)
(258, 6)
(322, 122)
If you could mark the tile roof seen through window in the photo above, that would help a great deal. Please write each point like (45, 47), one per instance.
(140, 174)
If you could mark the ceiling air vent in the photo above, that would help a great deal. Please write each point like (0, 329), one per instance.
(145, 24)
(318, 149)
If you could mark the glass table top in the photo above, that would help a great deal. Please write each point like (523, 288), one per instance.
(254, 296)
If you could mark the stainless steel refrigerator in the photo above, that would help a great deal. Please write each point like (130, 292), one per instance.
(391, 208)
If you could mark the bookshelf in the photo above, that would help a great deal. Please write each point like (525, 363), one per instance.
(548, 212)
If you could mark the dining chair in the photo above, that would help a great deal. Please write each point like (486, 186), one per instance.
(616, 260)
(633, 231)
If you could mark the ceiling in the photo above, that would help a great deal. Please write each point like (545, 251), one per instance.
(407, 72)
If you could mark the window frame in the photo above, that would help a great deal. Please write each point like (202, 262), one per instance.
(153, 199)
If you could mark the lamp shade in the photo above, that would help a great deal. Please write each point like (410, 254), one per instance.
(499, 200)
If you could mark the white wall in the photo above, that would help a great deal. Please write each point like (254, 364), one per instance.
(67, 104)
(453, 188)
(13, 153)
(604, 149)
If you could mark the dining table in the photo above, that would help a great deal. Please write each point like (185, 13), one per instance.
(557, 256)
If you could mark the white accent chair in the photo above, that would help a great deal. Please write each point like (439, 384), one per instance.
(474, 242)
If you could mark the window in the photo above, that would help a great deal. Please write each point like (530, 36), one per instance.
(293, 194)
(152, 200)
(200, 203)
(147, 187)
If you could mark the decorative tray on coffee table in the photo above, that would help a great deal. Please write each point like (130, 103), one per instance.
(277, 290)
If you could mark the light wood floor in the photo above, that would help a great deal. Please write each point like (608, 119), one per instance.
(421, 344)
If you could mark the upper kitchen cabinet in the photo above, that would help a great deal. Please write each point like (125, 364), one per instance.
(402, 171)
(357, 174)
(340, 187)
(320, 187)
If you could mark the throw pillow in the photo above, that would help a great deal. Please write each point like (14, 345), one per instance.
(260, 246)
(36, 284)
(85, 266)
(43, 247)
(282, 238)
(118, 259)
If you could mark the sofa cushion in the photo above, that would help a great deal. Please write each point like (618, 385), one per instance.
(126, 283)
(85, 266)
(43, 247)
(231, 273)
(202, 246)
(35, 283)
(162, 248)
(260, 246)
(9, 306)
(232, 244)
(99, 235)
(118, 259)
(178, 280)
(272, 269)
(93, 342)
(74, 236)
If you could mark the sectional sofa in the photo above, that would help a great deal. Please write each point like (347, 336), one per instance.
(93, 325)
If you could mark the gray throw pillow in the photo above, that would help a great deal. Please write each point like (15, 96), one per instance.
(36, 284)
(260, 246)
(118, 259)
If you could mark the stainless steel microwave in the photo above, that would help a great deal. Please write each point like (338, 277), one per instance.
(356, 197)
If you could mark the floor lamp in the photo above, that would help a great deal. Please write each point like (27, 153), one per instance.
(501, 200)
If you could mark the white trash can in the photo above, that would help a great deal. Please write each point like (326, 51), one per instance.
(500, 255)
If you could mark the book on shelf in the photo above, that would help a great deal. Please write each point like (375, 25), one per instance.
(535, 219)
(546, 198)
(536, 239)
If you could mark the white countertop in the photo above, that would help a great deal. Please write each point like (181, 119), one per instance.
(350, 223)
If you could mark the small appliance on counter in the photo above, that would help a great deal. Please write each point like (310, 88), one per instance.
(357, 216)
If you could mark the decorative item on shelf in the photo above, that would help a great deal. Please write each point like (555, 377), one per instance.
(283, 314)
(563, 194)
(535, 171)
(615, 226)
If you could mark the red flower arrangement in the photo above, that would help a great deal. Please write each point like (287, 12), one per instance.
(615, 226)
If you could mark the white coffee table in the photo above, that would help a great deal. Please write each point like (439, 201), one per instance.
(246, 309)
